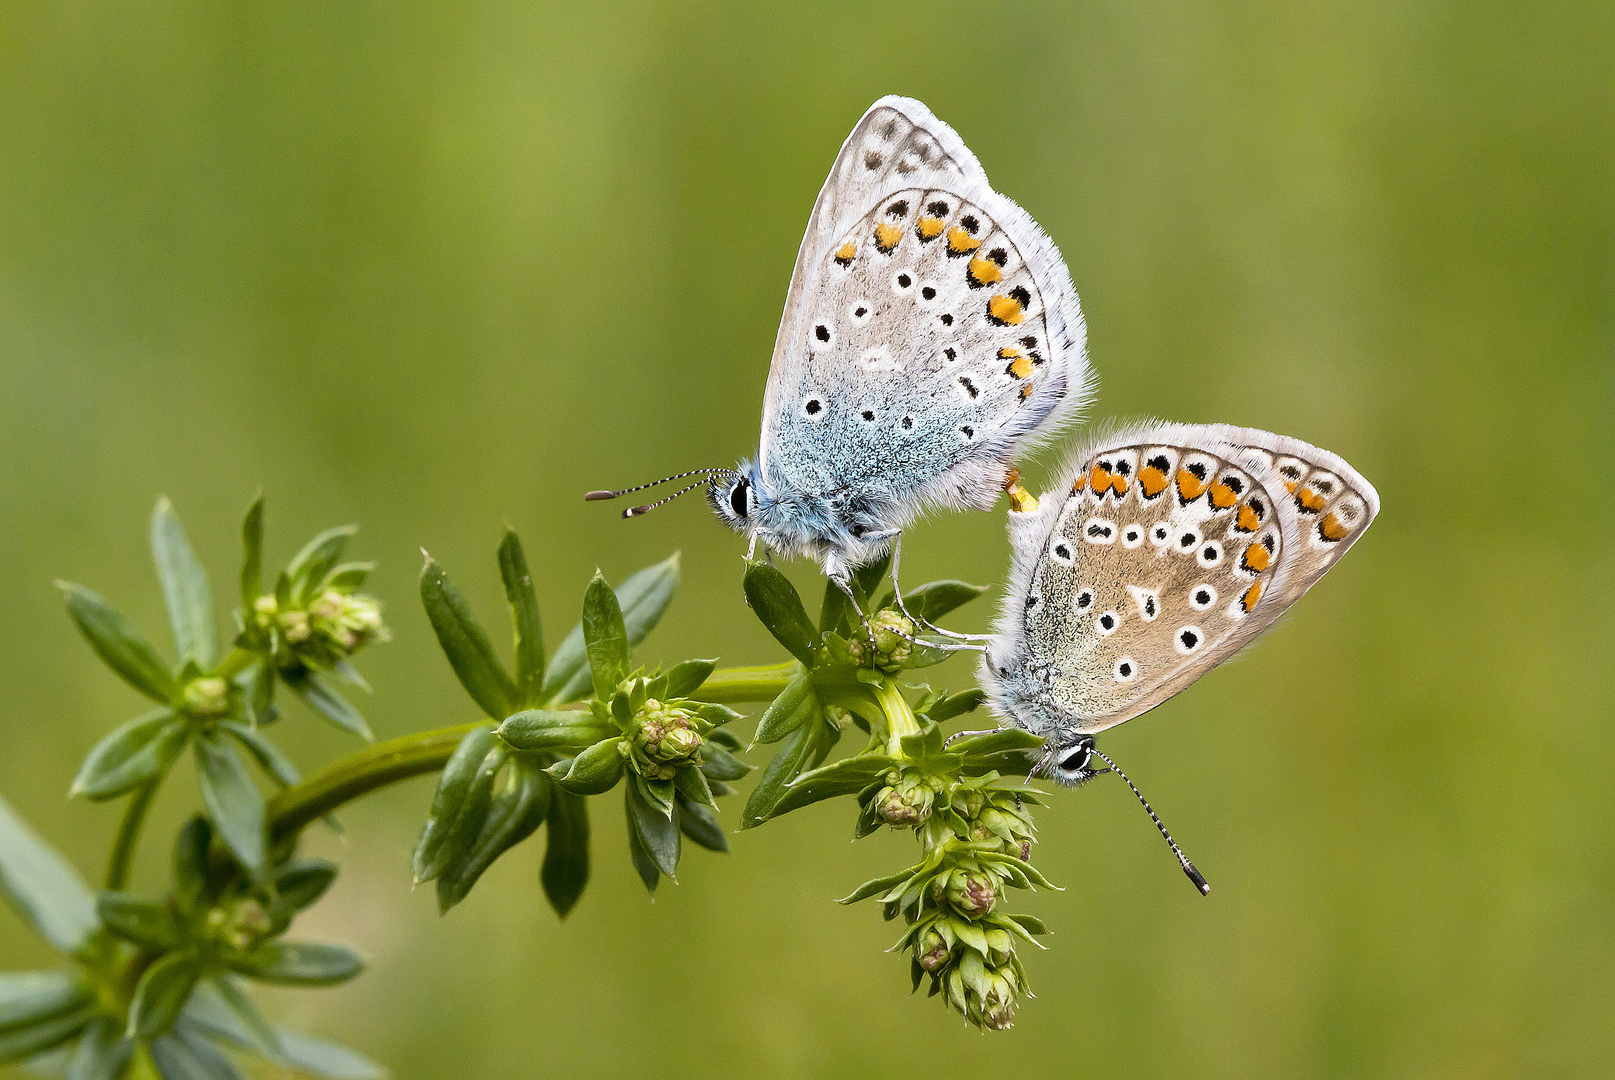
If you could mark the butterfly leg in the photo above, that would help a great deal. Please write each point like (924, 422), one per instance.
(920, 620)
(846, 586)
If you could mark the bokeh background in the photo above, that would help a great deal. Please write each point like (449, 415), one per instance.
(434, 267)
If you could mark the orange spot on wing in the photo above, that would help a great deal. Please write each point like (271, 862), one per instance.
(961, 242)
(1257, 557)
(1249, 519)
(981, 272)
(1019, 366)
(1252, 594)
(1332, 529)
(1190, 486)
(1082, 482)
(1099, 479)
(1151, 480)
(1026, 391)
(1222, 496)
(929, 228)
(887, 237)
(1005, 310)
(846, 252)
(1309, 501)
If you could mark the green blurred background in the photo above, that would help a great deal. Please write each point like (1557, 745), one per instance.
(434, 267)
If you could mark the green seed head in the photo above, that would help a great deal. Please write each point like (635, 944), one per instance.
(892, 651)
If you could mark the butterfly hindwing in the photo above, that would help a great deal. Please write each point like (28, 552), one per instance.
(930, 327)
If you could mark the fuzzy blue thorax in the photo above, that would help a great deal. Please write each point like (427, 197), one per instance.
(839, 532)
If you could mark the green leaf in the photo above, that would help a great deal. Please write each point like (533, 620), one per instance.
(566, 852)
(948, 706)
(144, 922)
(134, 753)
(845, 777)
(161, 994)
(593, 772)
(791, 758)
(700, 824)
(472, 813)
(310, 565)
(878, 887)
(301, 963)
(605, 637)
(719, 764)
(102, 1052)
(775, 601)
(25, 1042)
(645, 864)
(465, 644)
(42, 887)
(643, 598)
(1030, 923)
(327, 702)
(538, 729)
(188, 1055)
(117, 643)
(265, 1039)
(936, 599)
(686, 678)
(452, 788)
(996, 742)
(298, 1051)
(27, 997)
(252, 556)
(515, 815)
(347, 577)
(795, 706)
(260, 696)
(233, 801)
(276, 764)
(185, 588)
(191, 891)
(301, 882)
(523, 603)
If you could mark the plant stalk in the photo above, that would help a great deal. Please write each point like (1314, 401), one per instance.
(763, 683)
(123, 845)
(900, 718)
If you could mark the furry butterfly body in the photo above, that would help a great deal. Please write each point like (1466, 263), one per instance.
(1164, 550)
(931, 334)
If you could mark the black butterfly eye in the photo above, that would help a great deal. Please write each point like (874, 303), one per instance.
(737, 497)
(1077, 759)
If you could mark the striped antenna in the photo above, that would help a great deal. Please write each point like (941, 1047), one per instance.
(1188, 867)
(636, 511)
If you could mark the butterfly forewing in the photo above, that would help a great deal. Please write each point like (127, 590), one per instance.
(930, 327)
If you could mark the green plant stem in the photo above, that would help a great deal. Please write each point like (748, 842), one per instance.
(747, 683)
(900, 718)
(123, 845)
(361, 773)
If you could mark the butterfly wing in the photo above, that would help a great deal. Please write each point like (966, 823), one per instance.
(1168, 549)
(931, 328)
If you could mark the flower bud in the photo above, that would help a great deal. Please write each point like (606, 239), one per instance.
(932, 951)
(207, 697)
(246, 925)
(994, 1008)
(908, 802)
(892, 649)
(662, 739)
(972, 894)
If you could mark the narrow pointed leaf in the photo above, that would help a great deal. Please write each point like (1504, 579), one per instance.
(775, 601)
(951, 705)
(466, 644)
(605, 637)
(700, 824)
(845, 777)
(719, 764)
(265, 1039)
(643, 862)
(189, 1055)
(118, 643)
(996, 742)
(523, 603)
(795, 706)
(594, 771)
(144, 922)
(455, 782)
(268, 756)
(474, 810)
(102, 1053)
(25, 1042)
(566, 852)
(191, 890)
(27, 997)
(791, 758)
(686, 678)
(161, 994)
(234, 803)
(185, 588)
(252, 555)
(134, 753)
(43, 888)
(936, 599)
(301, 882)
(643, 598)
(877, 887)
(304, 1053)
(538, 729)
(301, 963)
(515, 816)
(310, 565)
(332, 706)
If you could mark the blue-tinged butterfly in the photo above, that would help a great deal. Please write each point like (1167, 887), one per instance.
(931, 334)
(1162, 551)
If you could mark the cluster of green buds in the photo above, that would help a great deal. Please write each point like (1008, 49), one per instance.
(569, 728)
(966, 802)
(218, 703)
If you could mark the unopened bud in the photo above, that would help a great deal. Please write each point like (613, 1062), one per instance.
(932, 951)
(207, 697)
